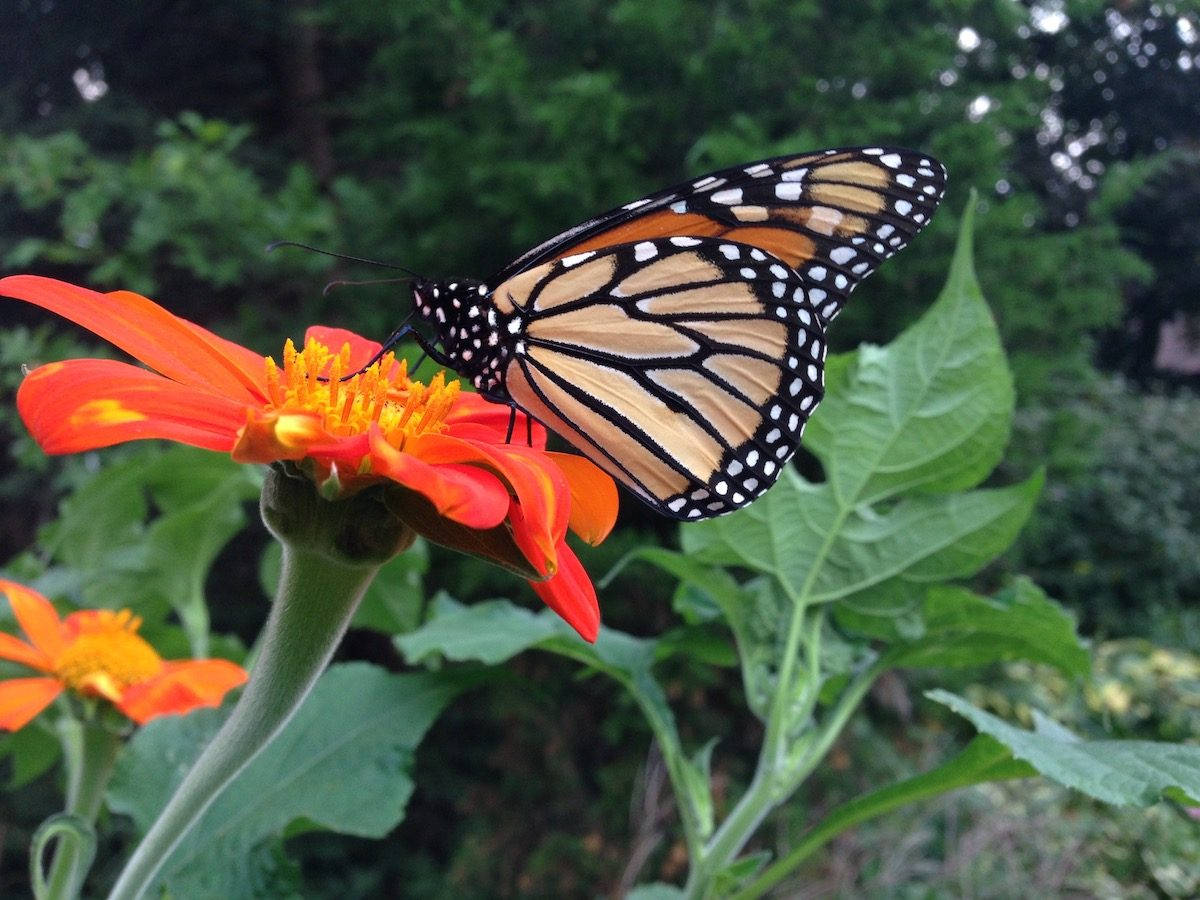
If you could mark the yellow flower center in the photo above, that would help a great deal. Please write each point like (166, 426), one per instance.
(311, 381)
(107, 653)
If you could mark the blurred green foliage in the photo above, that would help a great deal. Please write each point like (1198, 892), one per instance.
(159, 146)
(1118, 531)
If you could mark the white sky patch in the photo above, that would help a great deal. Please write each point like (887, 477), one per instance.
(980, 107)
(968, 39)
(90, 83)
(1186, 29)
(1048, 18)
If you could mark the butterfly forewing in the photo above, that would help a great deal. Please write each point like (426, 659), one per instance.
(839, 212)
(685, 366)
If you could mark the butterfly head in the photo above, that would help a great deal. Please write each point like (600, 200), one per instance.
(469, 329)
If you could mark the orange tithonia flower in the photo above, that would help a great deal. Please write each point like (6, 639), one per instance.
(98, 653)
(447, 449)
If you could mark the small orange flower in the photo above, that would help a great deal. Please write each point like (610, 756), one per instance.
(464, 484)
(98, 653)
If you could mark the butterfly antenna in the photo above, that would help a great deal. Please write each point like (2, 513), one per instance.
(344, 282)
(370, 262)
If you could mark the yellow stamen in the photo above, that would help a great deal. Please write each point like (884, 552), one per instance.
(107, 652)
(382, 395)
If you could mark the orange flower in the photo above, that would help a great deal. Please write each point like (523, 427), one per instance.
(464, 485)
(97, 653)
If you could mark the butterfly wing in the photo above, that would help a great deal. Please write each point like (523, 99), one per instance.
(684, 366)
(837, 212)
(679, 340)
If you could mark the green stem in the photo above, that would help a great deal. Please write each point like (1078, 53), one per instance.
(313, 606)
(331, 552)
(772, 782)
(89, 752)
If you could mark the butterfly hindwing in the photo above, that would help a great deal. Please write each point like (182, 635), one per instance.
(685, 366)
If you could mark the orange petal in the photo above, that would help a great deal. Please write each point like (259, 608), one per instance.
(496, 545)
(16, 650)
(21, 699)
(83, 404)
(178, 349)
(181, 687)
(532, 542)
(593, 496)
(267, 437)
(361, 349)
(540, 487)
(570, 594)
(37, 617)
(469, 495)
(472, 412)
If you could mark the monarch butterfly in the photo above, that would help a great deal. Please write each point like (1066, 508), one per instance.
(679, 340)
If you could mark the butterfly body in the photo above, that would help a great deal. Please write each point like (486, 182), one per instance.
(679, 340)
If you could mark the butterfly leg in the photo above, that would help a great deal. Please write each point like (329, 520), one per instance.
(394, 339)
(512, 423)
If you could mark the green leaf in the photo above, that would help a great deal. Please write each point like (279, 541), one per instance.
(31, 751)
(929, 412)
(873, 558)
(1119, 772)
(489, 633)
(116, 555)
(965, 629)
(342, 763)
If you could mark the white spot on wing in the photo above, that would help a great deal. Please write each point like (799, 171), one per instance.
(577, 258)
(789, 190)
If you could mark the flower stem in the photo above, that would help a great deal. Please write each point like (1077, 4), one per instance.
(331, 552)
(89, 752)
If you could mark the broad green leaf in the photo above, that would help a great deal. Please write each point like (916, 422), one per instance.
(30, 751)
(180, 477)
(343, 763)
(931, 411)
(181, 547)
(103, 514)
(798, 535)
(965, 629)
(114, 554)
(1120, 772)
(489, 633)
